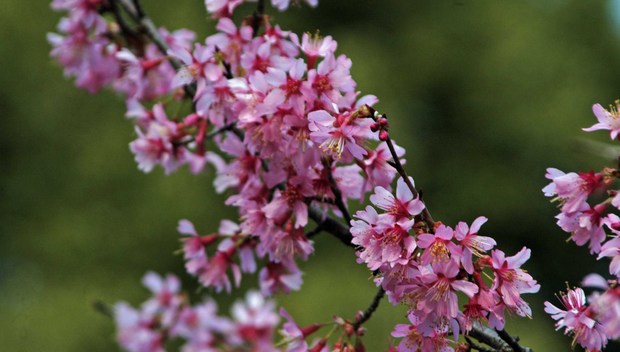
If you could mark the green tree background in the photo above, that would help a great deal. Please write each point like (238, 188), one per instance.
(484, 95)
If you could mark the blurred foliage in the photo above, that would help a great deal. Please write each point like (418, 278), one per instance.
(483, 95)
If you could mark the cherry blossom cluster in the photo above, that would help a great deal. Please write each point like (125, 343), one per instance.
(278, 118)
(426, 270)
(167, 316)
(168, 319)
(589, 204)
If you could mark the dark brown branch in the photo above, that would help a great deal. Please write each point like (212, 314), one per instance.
(511, 341)
(258, 17)
(315, 231)
(332, 226)
(337, 194)
(220, 130)
(489, 337)
(126, 29)
(477, 347)
(497, 339)
(139, 10)
(370, 310)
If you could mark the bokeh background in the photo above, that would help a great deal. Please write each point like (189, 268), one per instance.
(484, 95)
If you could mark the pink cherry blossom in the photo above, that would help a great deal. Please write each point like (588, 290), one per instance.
(222, 8)
(572, 189)
(377, 167)
(280, 277)
(256, 320)
(336, 135)
(607, 120)
(511, 281)
(315, 46)
(401, 205)
(576, 320)
(473, 244)
(415, 338)
(439, 246)
(144, 78)
(612, 249)
(283, 4)
(440, 284)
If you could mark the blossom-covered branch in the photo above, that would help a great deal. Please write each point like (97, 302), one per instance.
(280, 121)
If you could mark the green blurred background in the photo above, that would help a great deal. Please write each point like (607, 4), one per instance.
(484, 96)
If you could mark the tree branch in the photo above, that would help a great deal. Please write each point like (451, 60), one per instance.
(258, 16)
(370, 310)
(337, 194)
(475, 346)
(332, 226)
(511, 341)
(489, 337)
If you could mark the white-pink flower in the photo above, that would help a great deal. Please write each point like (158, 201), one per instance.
(401, 205)
(577, 321)
(607, 120)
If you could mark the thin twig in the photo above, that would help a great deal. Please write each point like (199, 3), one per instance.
(315, 231)
(337, 194)
(103, 308)
(370, 310)
(220, 130)
(258, 16)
